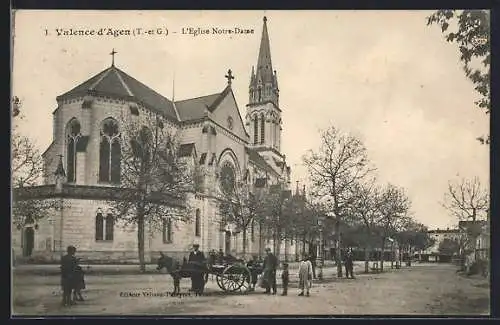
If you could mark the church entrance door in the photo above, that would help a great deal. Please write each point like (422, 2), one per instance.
(228, 242)
(29, 241)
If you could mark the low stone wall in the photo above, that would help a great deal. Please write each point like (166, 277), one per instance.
(98, 257)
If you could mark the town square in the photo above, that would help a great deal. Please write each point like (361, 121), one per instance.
(259, 168)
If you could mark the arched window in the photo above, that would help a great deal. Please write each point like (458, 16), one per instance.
(167, 231)
(99, 227)
(197, 224)
(104, 227)
(256, 130)
(110, 152)
(73, 135)
(262, 131)
(110, 226)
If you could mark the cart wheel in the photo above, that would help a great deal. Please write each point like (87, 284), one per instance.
(234, 278)
(218, 279)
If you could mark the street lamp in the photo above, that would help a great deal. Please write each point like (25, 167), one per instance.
(321, 249)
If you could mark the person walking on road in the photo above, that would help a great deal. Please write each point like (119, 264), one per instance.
(284, 279)
(197, 258)
(349, 264)
(270, 265)
(69, 266)
(305, 275)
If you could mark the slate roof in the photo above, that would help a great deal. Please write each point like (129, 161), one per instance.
(196, 108)
(114, 82)
(259, 161)
(187, 149)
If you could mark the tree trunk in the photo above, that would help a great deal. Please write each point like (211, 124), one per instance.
(244, 243)
(338, 252)
(260, 240)
(286, 248)
(382, 253)
(303, 244)
(140, 242)
(367, 260)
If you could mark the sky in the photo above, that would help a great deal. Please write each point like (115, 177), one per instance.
(384, 76)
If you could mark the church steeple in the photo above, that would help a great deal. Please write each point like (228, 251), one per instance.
(263, 81)
(263, 112)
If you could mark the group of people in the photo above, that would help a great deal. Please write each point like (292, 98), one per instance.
(72, 278)
(270, 266)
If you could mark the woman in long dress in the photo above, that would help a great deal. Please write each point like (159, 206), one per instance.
(305, 275)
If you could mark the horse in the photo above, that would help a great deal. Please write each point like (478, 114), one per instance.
(178, 270)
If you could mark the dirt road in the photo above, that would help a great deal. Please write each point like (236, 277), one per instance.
(422, 289)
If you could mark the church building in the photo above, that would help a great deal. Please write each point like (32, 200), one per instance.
(82, 166)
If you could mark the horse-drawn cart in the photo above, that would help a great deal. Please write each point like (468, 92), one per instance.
(231, 276)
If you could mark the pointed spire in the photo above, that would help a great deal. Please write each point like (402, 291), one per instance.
(60, 168)
(264, 64)
(263, 82)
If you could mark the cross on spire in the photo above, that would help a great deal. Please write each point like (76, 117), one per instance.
(229, 77)
(113, 57)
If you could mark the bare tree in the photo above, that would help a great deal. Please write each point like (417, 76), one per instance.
(238, 206)
(26, 171)
(365, 214)
(155, 182)
(27, 162)
(273, 214)
(394, 208)
(303, 220)
(466, 199)
(340, 162)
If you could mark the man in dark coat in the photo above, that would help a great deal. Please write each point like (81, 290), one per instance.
(69, 266)
(349, 264)
(197, 262)
(270, 266)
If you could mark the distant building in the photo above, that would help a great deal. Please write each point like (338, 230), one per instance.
(478, 235)
(432, 254)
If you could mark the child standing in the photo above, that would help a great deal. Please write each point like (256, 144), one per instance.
(305, 275)
(284, 279)
(176, 276)
(79, 284)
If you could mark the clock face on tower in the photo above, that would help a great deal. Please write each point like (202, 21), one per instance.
(227, 178)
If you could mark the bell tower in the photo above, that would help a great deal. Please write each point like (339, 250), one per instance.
(263, 118)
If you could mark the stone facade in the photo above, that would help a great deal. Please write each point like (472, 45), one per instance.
(219, 135)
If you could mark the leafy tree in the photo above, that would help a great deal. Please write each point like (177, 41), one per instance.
(470, 30)
(415, 237)
(155, 183)
(334, 168)
(449, 247)
(393, 208)
(365, 214)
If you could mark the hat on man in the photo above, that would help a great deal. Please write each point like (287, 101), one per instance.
(196, 245)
